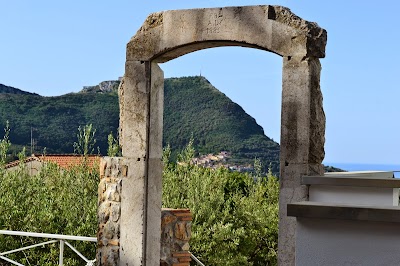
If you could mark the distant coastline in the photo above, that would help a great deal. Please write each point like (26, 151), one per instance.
(366, 167)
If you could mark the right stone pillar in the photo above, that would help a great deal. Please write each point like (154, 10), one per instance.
(302, 142)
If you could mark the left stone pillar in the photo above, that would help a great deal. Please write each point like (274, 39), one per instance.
(109, 211)
(141, 108)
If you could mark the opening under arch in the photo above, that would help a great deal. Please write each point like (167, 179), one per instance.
(251, 78)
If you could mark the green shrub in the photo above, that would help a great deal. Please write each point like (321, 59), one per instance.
(54, 201)
(235, 215)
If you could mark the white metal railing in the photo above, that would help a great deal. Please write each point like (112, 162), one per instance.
(57, 238)
(196, 259)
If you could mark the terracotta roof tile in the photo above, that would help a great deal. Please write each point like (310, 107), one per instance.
(16, 163)
(66, 160)
(62, 160)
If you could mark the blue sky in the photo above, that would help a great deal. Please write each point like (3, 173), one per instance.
(56, 47)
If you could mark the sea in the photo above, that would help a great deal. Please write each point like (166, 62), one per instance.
(367, 167)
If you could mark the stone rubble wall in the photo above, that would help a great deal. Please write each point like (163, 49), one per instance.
(175, 235)
(109, 211)
(175, 223)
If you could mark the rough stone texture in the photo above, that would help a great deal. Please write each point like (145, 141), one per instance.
(272, 28)
(174, 229)
(170, 34)
(302, 142)
(175, 235)
(103, 87)
(134, 108)
(302, 118)
(109, 211)
(141, 104)
(154, 166)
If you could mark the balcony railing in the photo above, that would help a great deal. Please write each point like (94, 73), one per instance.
(62, 242)
(55, 238)
(196, 260)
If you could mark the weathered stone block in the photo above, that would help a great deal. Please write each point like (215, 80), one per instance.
(272, 28)
(109, 212)
(115, 211)
(176, 228)
(103, 212)
(112, 193)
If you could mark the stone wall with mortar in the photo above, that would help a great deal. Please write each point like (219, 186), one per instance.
(109, 211)
(175, 223)
(175, 236)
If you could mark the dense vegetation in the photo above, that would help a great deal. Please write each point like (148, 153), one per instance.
(54, 201)
(193, 108)
(55, 119)
(12, 90)
(235, 215)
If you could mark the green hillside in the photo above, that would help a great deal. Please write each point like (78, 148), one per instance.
(55, 120)
(193, 107)
(12, 90)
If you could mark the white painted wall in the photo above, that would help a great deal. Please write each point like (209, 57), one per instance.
(362, 174)
(329, 242)
(367, 196)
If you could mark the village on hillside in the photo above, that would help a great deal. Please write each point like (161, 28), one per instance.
(220, 160)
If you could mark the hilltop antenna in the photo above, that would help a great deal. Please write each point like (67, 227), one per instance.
(32, 141)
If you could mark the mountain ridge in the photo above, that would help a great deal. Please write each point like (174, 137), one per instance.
(193, 109)
(12, 90)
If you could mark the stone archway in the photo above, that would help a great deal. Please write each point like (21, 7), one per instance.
(170, 34)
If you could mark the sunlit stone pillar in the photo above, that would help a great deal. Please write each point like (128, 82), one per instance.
(302, 142)
(141, 121)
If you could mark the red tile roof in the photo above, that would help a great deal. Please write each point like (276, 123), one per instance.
(66, 161)
(62, 160)
(16, 163)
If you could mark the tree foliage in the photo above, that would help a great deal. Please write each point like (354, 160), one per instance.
(55, 119)
(4, 146)
(193, 107)
(54, 201)
(113, 146)
(235, 215)
(86, 141)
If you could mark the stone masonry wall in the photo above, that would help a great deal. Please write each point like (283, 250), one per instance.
(175, 235)
(175, 224)
(109, 211)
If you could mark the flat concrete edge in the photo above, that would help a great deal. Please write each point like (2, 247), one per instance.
(310, 209)
(351, 181)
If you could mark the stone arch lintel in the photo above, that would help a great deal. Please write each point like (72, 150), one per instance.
(169, 34)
